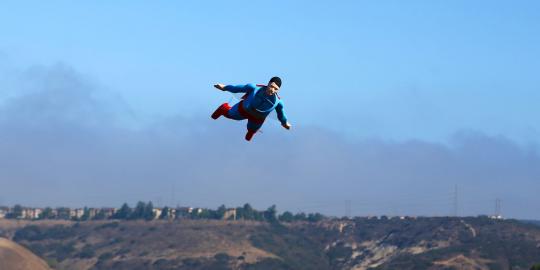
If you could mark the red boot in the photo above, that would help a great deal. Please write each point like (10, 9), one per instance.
(250, 134)
(221, 110)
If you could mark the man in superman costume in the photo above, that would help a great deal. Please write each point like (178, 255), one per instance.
(256, 104)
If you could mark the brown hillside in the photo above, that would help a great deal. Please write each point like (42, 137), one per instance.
(16, 257)
(360, 243)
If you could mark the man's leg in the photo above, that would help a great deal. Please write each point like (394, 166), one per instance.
(234, 113)
(252, 128)
(226, 110)
(221, 110)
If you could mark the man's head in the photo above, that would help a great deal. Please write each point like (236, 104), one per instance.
(273, 86)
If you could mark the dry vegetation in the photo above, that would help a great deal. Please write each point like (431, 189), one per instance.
(424, 243)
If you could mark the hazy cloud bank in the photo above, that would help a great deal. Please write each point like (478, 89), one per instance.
(67, 140)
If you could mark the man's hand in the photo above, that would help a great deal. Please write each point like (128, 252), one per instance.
(220, 86)
(286, 125)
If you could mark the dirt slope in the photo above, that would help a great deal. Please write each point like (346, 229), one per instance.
(16, 257)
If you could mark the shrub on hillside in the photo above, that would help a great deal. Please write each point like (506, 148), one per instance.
(36, 233)
(108, 225)
(87, 252)
(63, 252)
(105, 256)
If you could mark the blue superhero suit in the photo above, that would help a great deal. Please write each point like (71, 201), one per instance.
(255, 106)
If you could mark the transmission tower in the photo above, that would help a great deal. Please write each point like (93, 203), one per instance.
(348, 208)
(455, 201)
(497, 207)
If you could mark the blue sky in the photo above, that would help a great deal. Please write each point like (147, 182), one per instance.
(400, 70)
(391, 100)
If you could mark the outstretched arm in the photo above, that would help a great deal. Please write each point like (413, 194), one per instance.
(281, 115)
(234, 88)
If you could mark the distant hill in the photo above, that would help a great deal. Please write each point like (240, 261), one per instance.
(16, 257)
(534, 222)
(420, 243)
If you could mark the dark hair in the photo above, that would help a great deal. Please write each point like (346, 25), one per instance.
(276, 80)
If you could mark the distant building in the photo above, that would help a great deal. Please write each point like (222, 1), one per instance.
(92, 212)
(230, 214)
(190, 210)
(183, 212)
(108, 212)
(29, 213)
(76, 213)
(171, 213)
(157, 212)
(3, 211)
(35, 213)
(20, 212)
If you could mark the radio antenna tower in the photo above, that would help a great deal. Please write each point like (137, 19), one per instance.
(497, 208)
(348, 208)
(455, 201)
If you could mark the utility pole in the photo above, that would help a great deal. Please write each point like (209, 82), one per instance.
(173, 195)
(455, 201)
(158, 202)
(348, 208)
